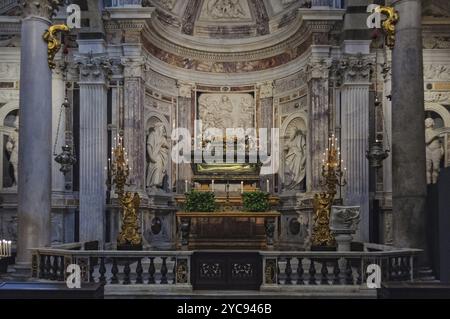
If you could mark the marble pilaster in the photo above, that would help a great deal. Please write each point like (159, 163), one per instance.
(408, 129)
(35, 134)
(355, 135)
(266, 120)
(318, 117)
(184, 120)
(93, 146)
(134, 130)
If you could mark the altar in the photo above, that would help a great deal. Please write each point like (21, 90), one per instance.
(240, 230)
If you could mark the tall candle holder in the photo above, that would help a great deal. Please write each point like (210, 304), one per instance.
(333, 176)
(118, 172)
(5, 249)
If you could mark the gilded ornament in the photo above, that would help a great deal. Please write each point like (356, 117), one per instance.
(53, 43)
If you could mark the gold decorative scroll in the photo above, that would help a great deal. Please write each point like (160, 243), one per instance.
(53, 43)
(389, 24)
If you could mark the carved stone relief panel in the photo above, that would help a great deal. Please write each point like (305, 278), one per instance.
(296, 105)
(227, 110)
(225, 10)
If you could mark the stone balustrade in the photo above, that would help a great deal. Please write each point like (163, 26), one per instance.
(280, 269)
(337, 268)
(114, 267)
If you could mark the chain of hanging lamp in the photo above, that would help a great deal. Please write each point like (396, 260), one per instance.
(67, 158)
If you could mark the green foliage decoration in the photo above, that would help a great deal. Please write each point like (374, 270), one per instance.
(200, 202)
(255, 201)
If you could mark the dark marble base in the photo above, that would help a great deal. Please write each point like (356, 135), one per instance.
(414, 291)
(28, 290)
(129, 247)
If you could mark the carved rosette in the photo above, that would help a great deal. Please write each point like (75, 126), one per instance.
(94, 69)
(41, 8)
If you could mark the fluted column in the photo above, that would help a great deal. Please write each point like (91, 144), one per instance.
(93, 146)
(355, 135)
(408, 129)
(35, 134)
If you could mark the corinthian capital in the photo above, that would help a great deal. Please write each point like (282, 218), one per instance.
(41, 8)
(93, 68)
(133, 67)
(354, 68)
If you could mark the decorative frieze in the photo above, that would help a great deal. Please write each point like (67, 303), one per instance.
(438, 72)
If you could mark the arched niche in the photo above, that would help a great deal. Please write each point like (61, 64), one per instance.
(444, 114)
(291, 126)
(153, 120)
(8, 132)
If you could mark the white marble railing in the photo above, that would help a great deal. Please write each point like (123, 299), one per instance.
(114, 267)
(279, 268)
(338, 268)
(6, 5)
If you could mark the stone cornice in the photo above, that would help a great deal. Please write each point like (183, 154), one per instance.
(295, 40)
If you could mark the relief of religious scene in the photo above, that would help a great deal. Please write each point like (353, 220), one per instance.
(225, 10)
(224, 111)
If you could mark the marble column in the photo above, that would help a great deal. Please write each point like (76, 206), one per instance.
(355, 136)
(408, 129)
(134, 126)
(318, 118)
(93, 146)
(35, 134)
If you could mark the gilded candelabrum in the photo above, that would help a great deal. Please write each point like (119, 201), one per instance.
(119, 170)
(332, 177)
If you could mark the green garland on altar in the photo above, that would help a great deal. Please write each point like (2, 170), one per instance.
(256, 201)
(200, 202)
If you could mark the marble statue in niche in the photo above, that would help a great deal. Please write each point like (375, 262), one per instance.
(434, 151)
(224, 111)
(224, 9)
(295, 153)
(157, 157)
(12, 147)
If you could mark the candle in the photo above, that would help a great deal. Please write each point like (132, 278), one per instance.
(212, 185)
(242, 187)
(268, 186)
(186, 185)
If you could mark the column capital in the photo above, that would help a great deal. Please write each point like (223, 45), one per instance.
(318, 68)
(352, 69)
(133, 67)
(94, 69)
(41, 8)
(185, 89)
(266, 89)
